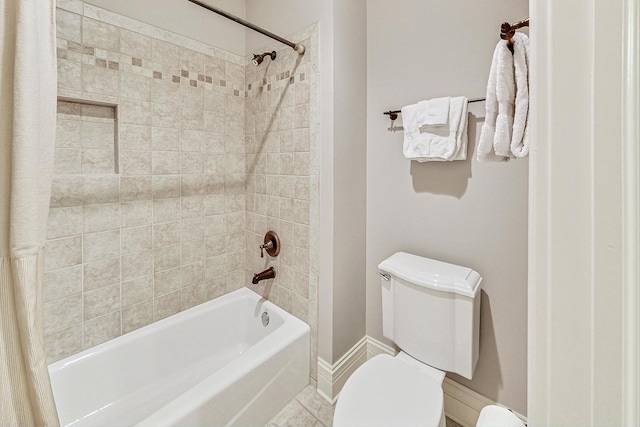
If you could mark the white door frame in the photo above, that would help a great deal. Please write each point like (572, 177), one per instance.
(584, 233)
(631, 226)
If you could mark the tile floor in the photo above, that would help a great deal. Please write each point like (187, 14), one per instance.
(308, 409)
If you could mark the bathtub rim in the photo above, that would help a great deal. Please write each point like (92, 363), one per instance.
(194, 311)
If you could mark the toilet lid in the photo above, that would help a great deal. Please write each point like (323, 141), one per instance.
(388, 392)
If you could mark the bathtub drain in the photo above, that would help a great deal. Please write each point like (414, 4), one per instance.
(265, 318)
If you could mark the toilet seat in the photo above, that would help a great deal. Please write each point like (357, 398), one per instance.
(388, 392)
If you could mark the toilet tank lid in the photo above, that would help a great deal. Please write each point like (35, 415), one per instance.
(433, 274)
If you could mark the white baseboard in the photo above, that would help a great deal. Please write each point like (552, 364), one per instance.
(461, 404)
(331, 378)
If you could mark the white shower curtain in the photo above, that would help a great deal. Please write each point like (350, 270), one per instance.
(27, 133)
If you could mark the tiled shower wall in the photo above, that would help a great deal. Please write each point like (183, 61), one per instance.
(164, 190)
(282, 141)
(149, 220)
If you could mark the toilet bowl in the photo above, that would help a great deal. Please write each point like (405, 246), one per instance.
(388, 391)
(393, 391)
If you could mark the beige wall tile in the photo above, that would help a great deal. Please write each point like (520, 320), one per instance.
(214, 67)
(194, 295)
(135, 137)
(136, 213)
(67, 133)
(166, 115)
(165, 162)
(64, 252)
(67, 191)
(101, 245)
(67, 161)
(98, 274)
(135, 86)
(137, 265)
(165, 92)
(137, 290)
(101, 329)
(135, 112)
(193, 251)
(62, 313)
(64, 222)
(135, 44)
(136, 239)
(166, 305)
(191, 60)
(135, 162)
(63, 343)
(97, 161)
(100, 189)
(167, 281)
(95, 134)
(166, 186)
(62, 283)
(165, 139)
(101, 301)
(69, 75)
(68, 26)
(166, 210)
(101, 217)
(135, 188)
(165, 258)
(166, 234)
(200, 185)
(97, 113)
(100, 80)
(165, 53)
(192, 274)
(100, 34)
(137, 316)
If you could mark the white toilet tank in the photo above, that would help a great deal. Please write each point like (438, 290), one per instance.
(431, 310)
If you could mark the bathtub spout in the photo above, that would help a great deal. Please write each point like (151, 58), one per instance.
(269, 273)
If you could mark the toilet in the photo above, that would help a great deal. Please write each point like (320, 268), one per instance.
(431, 311)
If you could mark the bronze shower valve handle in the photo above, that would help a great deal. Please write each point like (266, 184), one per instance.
(271, 244)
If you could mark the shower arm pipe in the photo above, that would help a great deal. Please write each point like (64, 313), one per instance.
(295, 46)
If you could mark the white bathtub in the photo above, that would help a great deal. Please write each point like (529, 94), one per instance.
(212, 365)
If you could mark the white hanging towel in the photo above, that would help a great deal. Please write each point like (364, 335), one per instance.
(434, 142)
(520, 136)
(495, 136)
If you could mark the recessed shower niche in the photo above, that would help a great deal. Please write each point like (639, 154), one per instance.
(86, 138)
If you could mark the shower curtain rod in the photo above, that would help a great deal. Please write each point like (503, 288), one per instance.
(295, 46)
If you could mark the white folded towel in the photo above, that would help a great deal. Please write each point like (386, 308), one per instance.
(433, 112)
(520, 137)
(495, 136)
(436, 142)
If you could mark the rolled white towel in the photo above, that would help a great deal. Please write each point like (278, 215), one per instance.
(495, 135)
(520, 136)
(506, 94)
